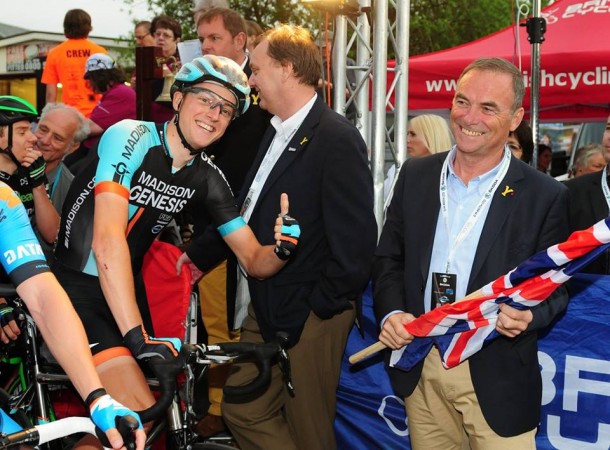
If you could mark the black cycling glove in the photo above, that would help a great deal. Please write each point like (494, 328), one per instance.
(289, 240)
(36, 172)
(143, 346)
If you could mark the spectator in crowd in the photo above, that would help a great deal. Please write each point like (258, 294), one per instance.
(222, 32)
(482, 185)
(427, 134)
(317, 156)
(590, 202)
(521, 142)
(66, 64)
(118, 101)
(588, 159)
(201, 6)
(253, 31)
(167, 32)
(545, 156)
(324, 41)
(142, 34)
(59, 132)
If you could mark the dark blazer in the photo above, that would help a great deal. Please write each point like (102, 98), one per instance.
(325, 173)
(533, 216)
(587, 207)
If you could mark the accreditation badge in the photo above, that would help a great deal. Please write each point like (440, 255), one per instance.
(443, 288)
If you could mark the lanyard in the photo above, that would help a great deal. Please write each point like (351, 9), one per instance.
(54, 183)
(476, 214)
(605, 188)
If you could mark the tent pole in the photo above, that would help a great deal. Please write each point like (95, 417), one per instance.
(536, 27)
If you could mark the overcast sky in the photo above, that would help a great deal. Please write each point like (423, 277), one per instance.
(110, 18)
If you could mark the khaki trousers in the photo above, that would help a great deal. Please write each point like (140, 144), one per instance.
(276, 421)
(213, 303)
(443, 413)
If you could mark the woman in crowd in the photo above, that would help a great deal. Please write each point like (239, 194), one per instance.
(521, 142)
(426, 134)
(167, 33)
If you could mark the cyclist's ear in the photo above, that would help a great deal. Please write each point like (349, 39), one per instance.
(177, 100)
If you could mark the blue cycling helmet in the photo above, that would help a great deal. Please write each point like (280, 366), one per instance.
(215, 69)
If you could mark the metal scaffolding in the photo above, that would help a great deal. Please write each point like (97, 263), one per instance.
(383, 125)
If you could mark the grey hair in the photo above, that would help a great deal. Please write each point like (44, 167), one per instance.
(83, 130)
(584, 154)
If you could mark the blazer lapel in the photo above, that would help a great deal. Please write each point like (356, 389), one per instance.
(429, 218)
(499, 210)
(295, 148)
(597, 198)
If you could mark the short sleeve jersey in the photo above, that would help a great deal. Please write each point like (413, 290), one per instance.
(135, 163)
(65, 64)
(22, 255)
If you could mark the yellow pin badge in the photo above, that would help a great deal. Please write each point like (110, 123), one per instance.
(508, 191)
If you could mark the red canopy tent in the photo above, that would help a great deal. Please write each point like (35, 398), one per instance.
(575, 64)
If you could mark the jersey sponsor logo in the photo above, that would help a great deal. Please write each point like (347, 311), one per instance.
(151, 191)
(82, 197)
(133, 139)
(120, 170)
(23, 251)
(220, 172)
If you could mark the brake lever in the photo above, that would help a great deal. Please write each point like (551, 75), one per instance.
(283, 361)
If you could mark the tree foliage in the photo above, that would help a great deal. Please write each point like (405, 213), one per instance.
(434, 24)
(440, 24)
(266, 13)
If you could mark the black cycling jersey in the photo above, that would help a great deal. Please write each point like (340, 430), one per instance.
(20, 183)
(134, 162)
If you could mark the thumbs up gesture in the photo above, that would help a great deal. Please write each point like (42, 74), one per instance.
(287, 231)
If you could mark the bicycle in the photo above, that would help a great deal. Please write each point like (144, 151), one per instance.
(173, 413)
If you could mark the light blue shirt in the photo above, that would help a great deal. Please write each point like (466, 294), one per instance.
(462, 201)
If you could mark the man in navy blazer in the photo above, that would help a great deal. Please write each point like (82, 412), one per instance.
(319, 159)
(589, 203)
(469, 216)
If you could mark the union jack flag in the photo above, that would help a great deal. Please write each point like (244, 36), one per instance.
(461, 329)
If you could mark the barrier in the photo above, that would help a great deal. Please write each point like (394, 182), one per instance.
(574, 357)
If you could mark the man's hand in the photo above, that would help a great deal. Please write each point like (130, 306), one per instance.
(511, 321)
(10, 330)
(287, 231)
(104, 411)
(36, 165)
(196, 274)
(143, 347)
(393, 333)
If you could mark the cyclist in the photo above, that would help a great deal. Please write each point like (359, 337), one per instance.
(145, 174)
(22, 165)
(24, 261)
